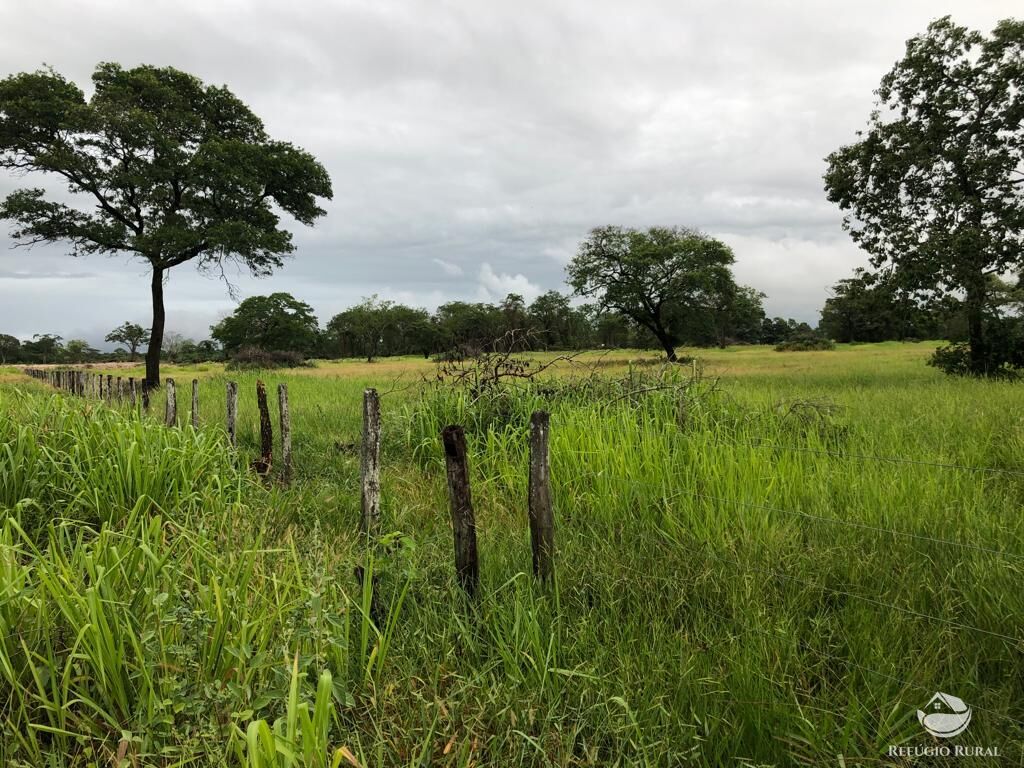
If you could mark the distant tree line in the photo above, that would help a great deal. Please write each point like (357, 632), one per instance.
(49, 349)
(869, 307)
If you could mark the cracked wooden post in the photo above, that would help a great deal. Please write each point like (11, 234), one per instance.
(467, 567)
(542, 522)
(195, 403)
(110, 388)
(286, 433)
(145, 397)
(120, 389)
(263, 463)
(232, 410)
(131, 392)
(171, 407)
(99, 384)
(370, 466)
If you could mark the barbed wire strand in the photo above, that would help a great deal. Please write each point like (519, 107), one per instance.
(864, 598)
(870, 457)
(834, 521)
(749, 629)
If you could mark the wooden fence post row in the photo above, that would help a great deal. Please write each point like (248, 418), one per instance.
(542, 524)
(263, 464)
(370, 464)
(171, 405)
(541, 515)
(232, 408)
(467, 566)
(286, 433)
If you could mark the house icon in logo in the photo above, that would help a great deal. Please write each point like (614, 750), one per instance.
(945, 716)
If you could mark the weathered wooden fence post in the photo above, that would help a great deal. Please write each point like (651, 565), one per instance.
(171, 408)
(542, 522)
(286, 433)
(110, 388)
(370, 465)
(232, 407)
(195, 403)
(131, 392)
(467, 567)
(263, 463)
(145, 397)
(120, 389)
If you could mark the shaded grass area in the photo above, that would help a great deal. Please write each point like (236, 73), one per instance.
(714, 604)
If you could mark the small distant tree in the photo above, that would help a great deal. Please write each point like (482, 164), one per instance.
(278, 322)
(9, 348)
(934, 188)
(176, 171)
(79, 351)
(361, 329)
(43, 348)
(132, 335)
(654, 277)
(468, 327)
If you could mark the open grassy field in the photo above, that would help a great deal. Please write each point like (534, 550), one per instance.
(774, 562)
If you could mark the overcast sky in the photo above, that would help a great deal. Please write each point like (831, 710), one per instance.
(473, 144)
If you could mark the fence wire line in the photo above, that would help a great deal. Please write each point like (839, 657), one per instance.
(750, 629)
(855, 596)
(833, 520)
(756, 443)
(863, 526)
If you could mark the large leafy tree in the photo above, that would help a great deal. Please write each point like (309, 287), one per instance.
(278, 322)
(361, 329)
(175, 171)
(132, 335)
(655, 277)
(934, 187)
(43, 348)
(9, 348)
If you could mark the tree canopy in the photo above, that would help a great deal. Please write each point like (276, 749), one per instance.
(175, 170)
(132, 335)
(934, 187)
(278, 322)
(655, 277)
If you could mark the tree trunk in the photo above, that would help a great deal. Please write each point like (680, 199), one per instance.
(667, 344)
(156, 338)
(976, 327)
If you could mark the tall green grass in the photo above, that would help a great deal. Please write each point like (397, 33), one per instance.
(737, 583)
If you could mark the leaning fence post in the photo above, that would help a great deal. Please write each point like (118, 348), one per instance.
(171, 408)
(262, 465)
(370, 466)
(195, 403)
(232, 408)
(542, 523)
(467, 566)
(286, 433)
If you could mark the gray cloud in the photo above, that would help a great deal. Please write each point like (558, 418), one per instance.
(6, 274)
(473, 144)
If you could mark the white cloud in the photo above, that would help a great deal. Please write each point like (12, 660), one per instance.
(450, 269)
(494, 286)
